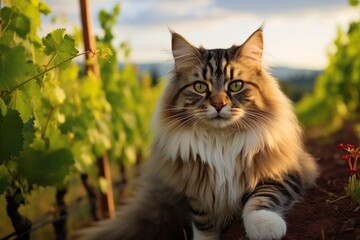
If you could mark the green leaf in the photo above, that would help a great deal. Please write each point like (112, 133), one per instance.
(4, 179)
(12, 65)
(22, 103)
(45, 168)
(60, 45)
(11, 138)
(22, 100)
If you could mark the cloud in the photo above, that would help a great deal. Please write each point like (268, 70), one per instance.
(268, 8)
(297, 33)
(152, 12)
(293, 38)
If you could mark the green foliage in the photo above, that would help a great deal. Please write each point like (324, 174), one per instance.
(336, 95)
(54, 120)
(107, 22)
(33, 150)
(132, 99)
(354, 2)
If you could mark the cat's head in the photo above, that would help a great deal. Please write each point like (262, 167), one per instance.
(218, 88)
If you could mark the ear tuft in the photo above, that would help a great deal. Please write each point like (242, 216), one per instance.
(252, 49)
(185, 54)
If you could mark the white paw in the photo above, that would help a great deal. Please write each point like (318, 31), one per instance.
(263, 224)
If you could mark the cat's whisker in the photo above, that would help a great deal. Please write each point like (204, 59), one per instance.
(174, 119)
(257, 119)
(238, 126)
(179, 109)
(179, 123)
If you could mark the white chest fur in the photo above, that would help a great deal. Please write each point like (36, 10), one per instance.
(227, 152)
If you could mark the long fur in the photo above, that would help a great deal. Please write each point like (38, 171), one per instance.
(213, 172)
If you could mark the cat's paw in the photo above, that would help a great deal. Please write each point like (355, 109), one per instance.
(263, 224)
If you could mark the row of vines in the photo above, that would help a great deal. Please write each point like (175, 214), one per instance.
(55, 120)
(335, 100)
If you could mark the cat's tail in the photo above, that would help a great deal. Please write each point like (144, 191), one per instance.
(154, 213)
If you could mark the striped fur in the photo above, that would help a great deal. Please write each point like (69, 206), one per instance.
(232, 151)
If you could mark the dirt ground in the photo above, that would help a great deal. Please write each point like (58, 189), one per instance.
(313, 218)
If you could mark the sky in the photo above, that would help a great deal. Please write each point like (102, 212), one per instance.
(296, 33)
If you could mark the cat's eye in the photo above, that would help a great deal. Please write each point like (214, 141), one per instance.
(236, 86)
(200, 87)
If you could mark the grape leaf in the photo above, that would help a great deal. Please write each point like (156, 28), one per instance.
(11, 138)
(45, 168)
(21, 102)
(60, 45)
(12, 65)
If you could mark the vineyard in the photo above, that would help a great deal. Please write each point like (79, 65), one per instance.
(71, 120)
(59, 119)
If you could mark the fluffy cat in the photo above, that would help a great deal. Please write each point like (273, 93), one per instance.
(227, 146)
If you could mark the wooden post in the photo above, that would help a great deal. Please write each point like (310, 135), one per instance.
(88, 38)
(106, 200)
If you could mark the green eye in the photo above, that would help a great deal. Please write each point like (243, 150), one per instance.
(236, 86)
(200, 87)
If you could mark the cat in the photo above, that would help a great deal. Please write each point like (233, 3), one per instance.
(227, 147)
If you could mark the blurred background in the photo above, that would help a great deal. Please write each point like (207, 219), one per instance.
(297, 34)
(64, 120)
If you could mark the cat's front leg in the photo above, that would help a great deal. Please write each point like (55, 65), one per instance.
(263, 207)
(202, 226)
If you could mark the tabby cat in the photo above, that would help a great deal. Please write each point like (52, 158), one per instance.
(227, 146)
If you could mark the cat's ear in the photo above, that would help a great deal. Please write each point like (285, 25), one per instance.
(252, 49)
(185, 54)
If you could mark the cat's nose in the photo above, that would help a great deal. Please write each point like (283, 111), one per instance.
(218, 106)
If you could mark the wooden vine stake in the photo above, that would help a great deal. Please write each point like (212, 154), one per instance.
(107, 206)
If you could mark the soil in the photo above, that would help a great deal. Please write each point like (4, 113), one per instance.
(313, 217)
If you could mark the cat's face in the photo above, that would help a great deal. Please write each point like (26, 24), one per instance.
(219, 87)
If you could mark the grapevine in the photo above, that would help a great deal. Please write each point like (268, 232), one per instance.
(53, 119)
(335, 99)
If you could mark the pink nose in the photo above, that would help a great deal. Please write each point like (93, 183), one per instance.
(218, 106)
